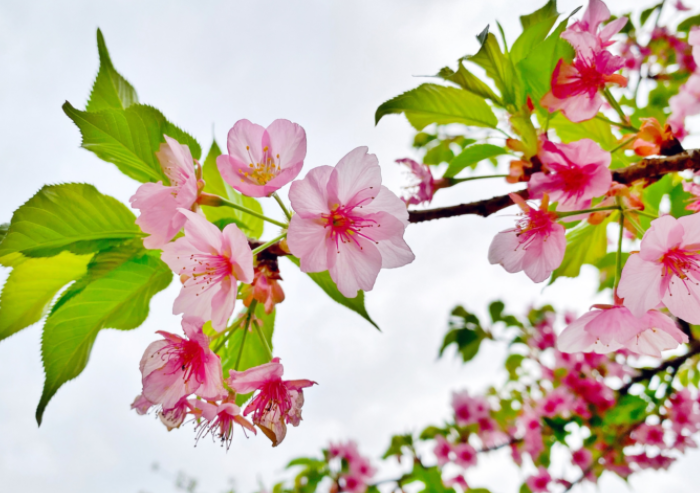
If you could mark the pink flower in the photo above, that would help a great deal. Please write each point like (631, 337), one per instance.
(539, 483)
(536, 245)
(347, 223)
(175, 367)
(646, 434)
(611, 327)
(582, 458)
(532, 439)
(465, 455)
(576, 87)
(174, 416)
(556, 402)
(596, 13)
(442, 450)
(360, 469)
(458, 480)
(279, 401)
(678, 5)
(469, 409)
(219, 420)
(261, 161)
(425, 185)
(686, 103)
(265, 287)
(159, 204)
(666, 269)
(209, 262)
(693, 189)
(578, 172)
(141, 405)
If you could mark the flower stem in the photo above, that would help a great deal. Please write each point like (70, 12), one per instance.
(258, 329)
(623, 144)
(618, 257)
(284, 208)
(621, 125)
(269, 243)
(586, 211)
(251, 310)
(217, 201)
(616, 106)
(454, 181)
(641, 213)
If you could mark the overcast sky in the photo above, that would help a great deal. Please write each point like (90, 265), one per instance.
(327, 66)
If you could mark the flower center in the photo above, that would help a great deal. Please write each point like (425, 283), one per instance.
(535, 223)
(680, 262)
(344, 226)
(591, 79)
(262, 172)
(189, 358)
(206, 270)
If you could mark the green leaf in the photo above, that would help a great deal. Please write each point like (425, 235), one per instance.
(594, 129)
(129, 138)
(629, 409)
(398, 442)
(471, 156)
(431, 103)
(32, 285)
(466, 334)
(543, 13)
(324, 281)
(101, 264)
(496, 311)
(647, 12)
(688, 23)
(585, 244)
(439, 154)
(498, 67)
(430, 477)
(536, 26)
(254, 353)
(119, 300)
(74, 217)
(110, 90)
(431, 432)
(466, 80)
(215, 184)
(535, 70)
(513, 362)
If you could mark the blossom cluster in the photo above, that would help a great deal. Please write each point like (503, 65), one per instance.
(346, 222)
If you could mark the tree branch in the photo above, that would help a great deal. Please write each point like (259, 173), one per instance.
(675, 363)
(649, 169)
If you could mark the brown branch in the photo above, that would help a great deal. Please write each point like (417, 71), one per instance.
(674, 363)
(650, 169)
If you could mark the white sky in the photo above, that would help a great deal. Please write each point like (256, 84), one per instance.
(325, 65)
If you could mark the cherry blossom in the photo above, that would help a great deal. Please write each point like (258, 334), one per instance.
(608, 328)
(218, 419)
(536, 245)
(539, 483)
(210, 262)
(693, 189)
(666, 269)
(265, 287)
(576, 87)
(175, 367)
(597, 13)
(159, 204)
(262, 160)
(141, 405)
(442, 450)
(577, 173)
(465, 455)
(347, 223)
(278, 401)
(424, 186)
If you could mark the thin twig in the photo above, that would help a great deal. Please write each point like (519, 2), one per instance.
(650, 169)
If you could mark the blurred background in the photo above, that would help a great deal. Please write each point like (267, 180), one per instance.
(206, 64)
